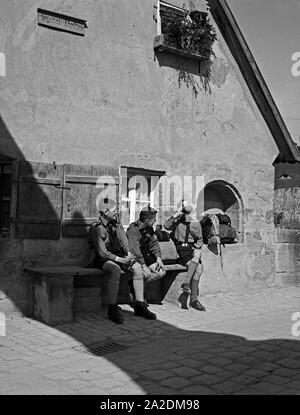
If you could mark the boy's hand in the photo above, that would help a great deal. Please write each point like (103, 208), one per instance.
(178, 213)
(146, 271)
(123, 261)
(159, 264)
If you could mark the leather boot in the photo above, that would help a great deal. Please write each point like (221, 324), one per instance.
(114, 314)
(195, 303)
(140, 309)
(184, 296)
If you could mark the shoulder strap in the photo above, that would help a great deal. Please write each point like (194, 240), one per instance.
(190, 231)
(187, 232)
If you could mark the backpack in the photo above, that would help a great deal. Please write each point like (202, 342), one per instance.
(218, 229)
(210, 230)
(223, 219)
(162, 236)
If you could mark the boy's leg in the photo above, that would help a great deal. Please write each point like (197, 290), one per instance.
(192, 266)
(138, 281)
(139, 305)
(195, 303)
(114, 272)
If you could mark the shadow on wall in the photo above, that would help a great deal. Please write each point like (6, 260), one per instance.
(26, 213)
(193, 74)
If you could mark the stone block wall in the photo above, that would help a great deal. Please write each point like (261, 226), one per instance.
(287, 220)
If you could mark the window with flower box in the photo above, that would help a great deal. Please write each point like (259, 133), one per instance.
(183, 32)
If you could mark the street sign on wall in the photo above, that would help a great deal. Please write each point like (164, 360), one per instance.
(58, 21)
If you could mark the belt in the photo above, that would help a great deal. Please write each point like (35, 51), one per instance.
(185, 243)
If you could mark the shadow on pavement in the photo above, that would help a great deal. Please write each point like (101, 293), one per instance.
(163, 359)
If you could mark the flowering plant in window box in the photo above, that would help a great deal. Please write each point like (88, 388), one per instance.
(190, 35)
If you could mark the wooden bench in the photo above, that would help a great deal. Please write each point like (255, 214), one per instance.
(54, 289)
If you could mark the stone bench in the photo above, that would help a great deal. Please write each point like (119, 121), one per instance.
(58, 292)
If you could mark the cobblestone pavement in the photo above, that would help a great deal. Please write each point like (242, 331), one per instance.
(242, 344)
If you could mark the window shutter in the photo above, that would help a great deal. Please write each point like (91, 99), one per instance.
(39, 202)
(82, 186)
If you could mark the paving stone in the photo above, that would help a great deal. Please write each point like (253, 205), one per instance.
(249, 391)
(228, 387)
(289, 363)
(231, 355)
(110, 383)
(159, 390)
(78, 384)
(293, 385)
(60, 376)
(192, 363)
(236, 367)
(211, 369)
(91, 390)
(245, 380)
(286, 372)
(168, 365)
(122, 376)
(198, 390)
(220, 361)
(264, 356)
(268, 388)
(248, 361)
(289, 392)
(246, 350)
(269, 367)
(277, 380)
(206, 379)
(185, 372)
(89, 375)
(175, 383)
(256, 373)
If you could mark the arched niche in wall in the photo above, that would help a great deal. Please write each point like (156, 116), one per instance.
(220, 194)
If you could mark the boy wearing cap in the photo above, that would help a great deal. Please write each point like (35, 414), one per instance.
(187, 236)
(144, 246)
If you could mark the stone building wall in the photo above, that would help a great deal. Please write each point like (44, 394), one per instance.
(107, 99)
(287, 221)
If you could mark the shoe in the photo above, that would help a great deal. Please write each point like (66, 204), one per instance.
(140, 309)
(183, 299)
(114, 314)
(197, 305)
(132, 301)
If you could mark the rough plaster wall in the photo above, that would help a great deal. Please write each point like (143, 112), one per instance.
(105, 98)
(287, 218)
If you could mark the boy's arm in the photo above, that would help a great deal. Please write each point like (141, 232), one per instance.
(99, 244)
(133, 235)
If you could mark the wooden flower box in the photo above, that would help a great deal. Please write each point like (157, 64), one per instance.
(163, 43)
